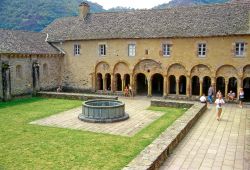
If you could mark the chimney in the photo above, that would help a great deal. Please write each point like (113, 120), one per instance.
(83, 9)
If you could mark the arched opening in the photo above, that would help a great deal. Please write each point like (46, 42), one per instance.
(126, 79)
(195, 86)
(142, 84)
(99, 81)
(232, 85)
(45, 69)
(157, 84)
(220, 85)
(19, 72)
(172, 84)
(118, 82)
(206, 84)
(182, 85)
(108, 82)
(246, 88)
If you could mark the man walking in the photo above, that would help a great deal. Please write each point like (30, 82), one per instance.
(210, 94)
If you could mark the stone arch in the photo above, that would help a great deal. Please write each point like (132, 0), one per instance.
(122, 68)
(177, 70)
(99, 81)
(102, 67)
(157, 84)
(246, 71)
(227, 71)
(148, 67)
(200, 71)
(19, 71)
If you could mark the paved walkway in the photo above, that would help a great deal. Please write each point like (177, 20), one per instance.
(135, 107)
(215, 145)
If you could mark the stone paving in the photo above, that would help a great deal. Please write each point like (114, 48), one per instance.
(135, 107)
(213, 144)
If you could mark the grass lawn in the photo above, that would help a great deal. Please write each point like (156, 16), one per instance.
(26, 146)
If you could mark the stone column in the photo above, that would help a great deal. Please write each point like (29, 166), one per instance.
(112, 82)
(188, 87)
(149, 87)
(239, 85)
(104, 83)
(132, 83)
(165, 86)
(177, 86)
(226, 87)
(168, 85)
(213, 83)
(94, 79)
(123, 83)
(201, 87)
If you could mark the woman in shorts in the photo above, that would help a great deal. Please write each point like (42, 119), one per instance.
(219, 102)
(241, 97)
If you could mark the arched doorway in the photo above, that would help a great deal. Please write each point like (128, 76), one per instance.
(157, 84)
(126, 79)
(172, 84)
(206, 84)
(246, 87)
(182, 85)
(99, 82)
(108, 82)
(195, 86)
(220, 85)
(142, 84)
(232, 85)
(118, 82)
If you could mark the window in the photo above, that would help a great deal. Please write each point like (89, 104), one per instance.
(19, 71)
(131, 50)
(102, 50)
(201, 49)
(76, 49)
(239, 49)
(166, 49)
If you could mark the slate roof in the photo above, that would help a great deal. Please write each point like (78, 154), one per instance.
(23, 42)
(196, 21)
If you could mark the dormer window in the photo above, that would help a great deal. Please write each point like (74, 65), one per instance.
(77, 49)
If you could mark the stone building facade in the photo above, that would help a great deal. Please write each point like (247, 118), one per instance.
(172, 52)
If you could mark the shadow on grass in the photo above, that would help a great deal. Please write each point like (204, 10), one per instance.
(21, 101)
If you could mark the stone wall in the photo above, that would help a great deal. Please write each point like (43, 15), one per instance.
(21, 72)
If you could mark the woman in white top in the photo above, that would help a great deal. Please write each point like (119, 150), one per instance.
(219, 102)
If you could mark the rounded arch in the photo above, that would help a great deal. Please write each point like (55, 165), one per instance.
(182, 85)
(118, 82)
(195, 86)
(227, 71)
(220, 85)
(148, 66)
(157, 84)
(246, 71)
(121, 67)
(102, 67)
(200, 71)
(99, 81)
(177, 70)
(172, 84)
(141, 83)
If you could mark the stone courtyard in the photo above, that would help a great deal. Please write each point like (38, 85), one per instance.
(136, 108)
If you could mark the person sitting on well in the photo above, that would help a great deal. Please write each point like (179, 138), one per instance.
(231, 95)
(203, 99)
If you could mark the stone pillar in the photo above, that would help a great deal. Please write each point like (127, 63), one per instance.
(6, 80)
(188, 87)
(201, 87)
(239, 85)
(226, 87)
(213, 83)
(94, 79)
(165, 86)
(168, 85)
(104, 83)
(123, 83)
(177, 86)
(132, 83)
(112, 81)
(149, 87)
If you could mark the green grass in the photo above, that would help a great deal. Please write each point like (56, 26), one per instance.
(26, 146)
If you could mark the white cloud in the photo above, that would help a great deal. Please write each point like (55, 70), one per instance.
(130, 3)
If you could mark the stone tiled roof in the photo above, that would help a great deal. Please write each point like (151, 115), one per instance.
(23, 42)
(196, 21)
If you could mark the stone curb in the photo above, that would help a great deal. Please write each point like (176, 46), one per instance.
(75, 96)
(154, 155)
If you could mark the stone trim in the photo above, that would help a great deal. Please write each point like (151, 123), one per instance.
(153, 156)
(74, 96)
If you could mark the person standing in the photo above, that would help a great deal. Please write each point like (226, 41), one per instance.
(210, 94)
(241, 97)
(130, 90)
(219, 102)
